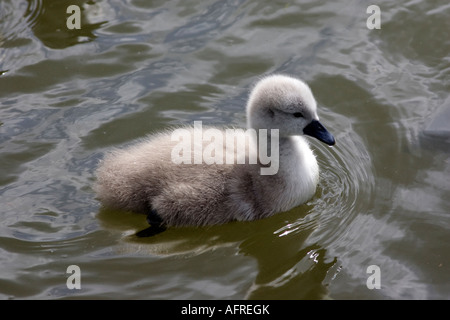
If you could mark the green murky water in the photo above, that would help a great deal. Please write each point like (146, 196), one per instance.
(136, 67)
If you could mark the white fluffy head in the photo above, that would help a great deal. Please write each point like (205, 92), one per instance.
(281, 102)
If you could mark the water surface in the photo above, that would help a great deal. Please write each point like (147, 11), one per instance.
(136, 67)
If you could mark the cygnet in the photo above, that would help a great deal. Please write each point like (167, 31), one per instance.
(193, 184)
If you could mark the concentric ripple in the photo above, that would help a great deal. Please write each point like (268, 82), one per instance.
(16, 21)
(345, 176)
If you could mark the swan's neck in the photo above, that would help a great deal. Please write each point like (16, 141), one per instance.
(297, 168)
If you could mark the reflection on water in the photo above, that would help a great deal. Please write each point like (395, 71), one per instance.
(136, 67)
(281, 265)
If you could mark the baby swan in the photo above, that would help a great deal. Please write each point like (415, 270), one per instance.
(144, 177)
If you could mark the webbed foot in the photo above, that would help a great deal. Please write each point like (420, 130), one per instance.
(156, 225)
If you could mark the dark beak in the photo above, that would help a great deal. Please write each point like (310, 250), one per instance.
(317, 130)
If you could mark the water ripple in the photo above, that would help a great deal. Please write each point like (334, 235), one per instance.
(34, 10)
(16, 19)
(346, 176)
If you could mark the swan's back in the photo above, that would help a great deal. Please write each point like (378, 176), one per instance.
(144, 177)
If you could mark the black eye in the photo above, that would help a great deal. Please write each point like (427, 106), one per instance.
(298, 114)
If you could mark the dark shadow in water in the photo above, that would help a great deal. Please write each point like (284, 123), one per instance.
(287, 267)
(437, 126)
(48, 20)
